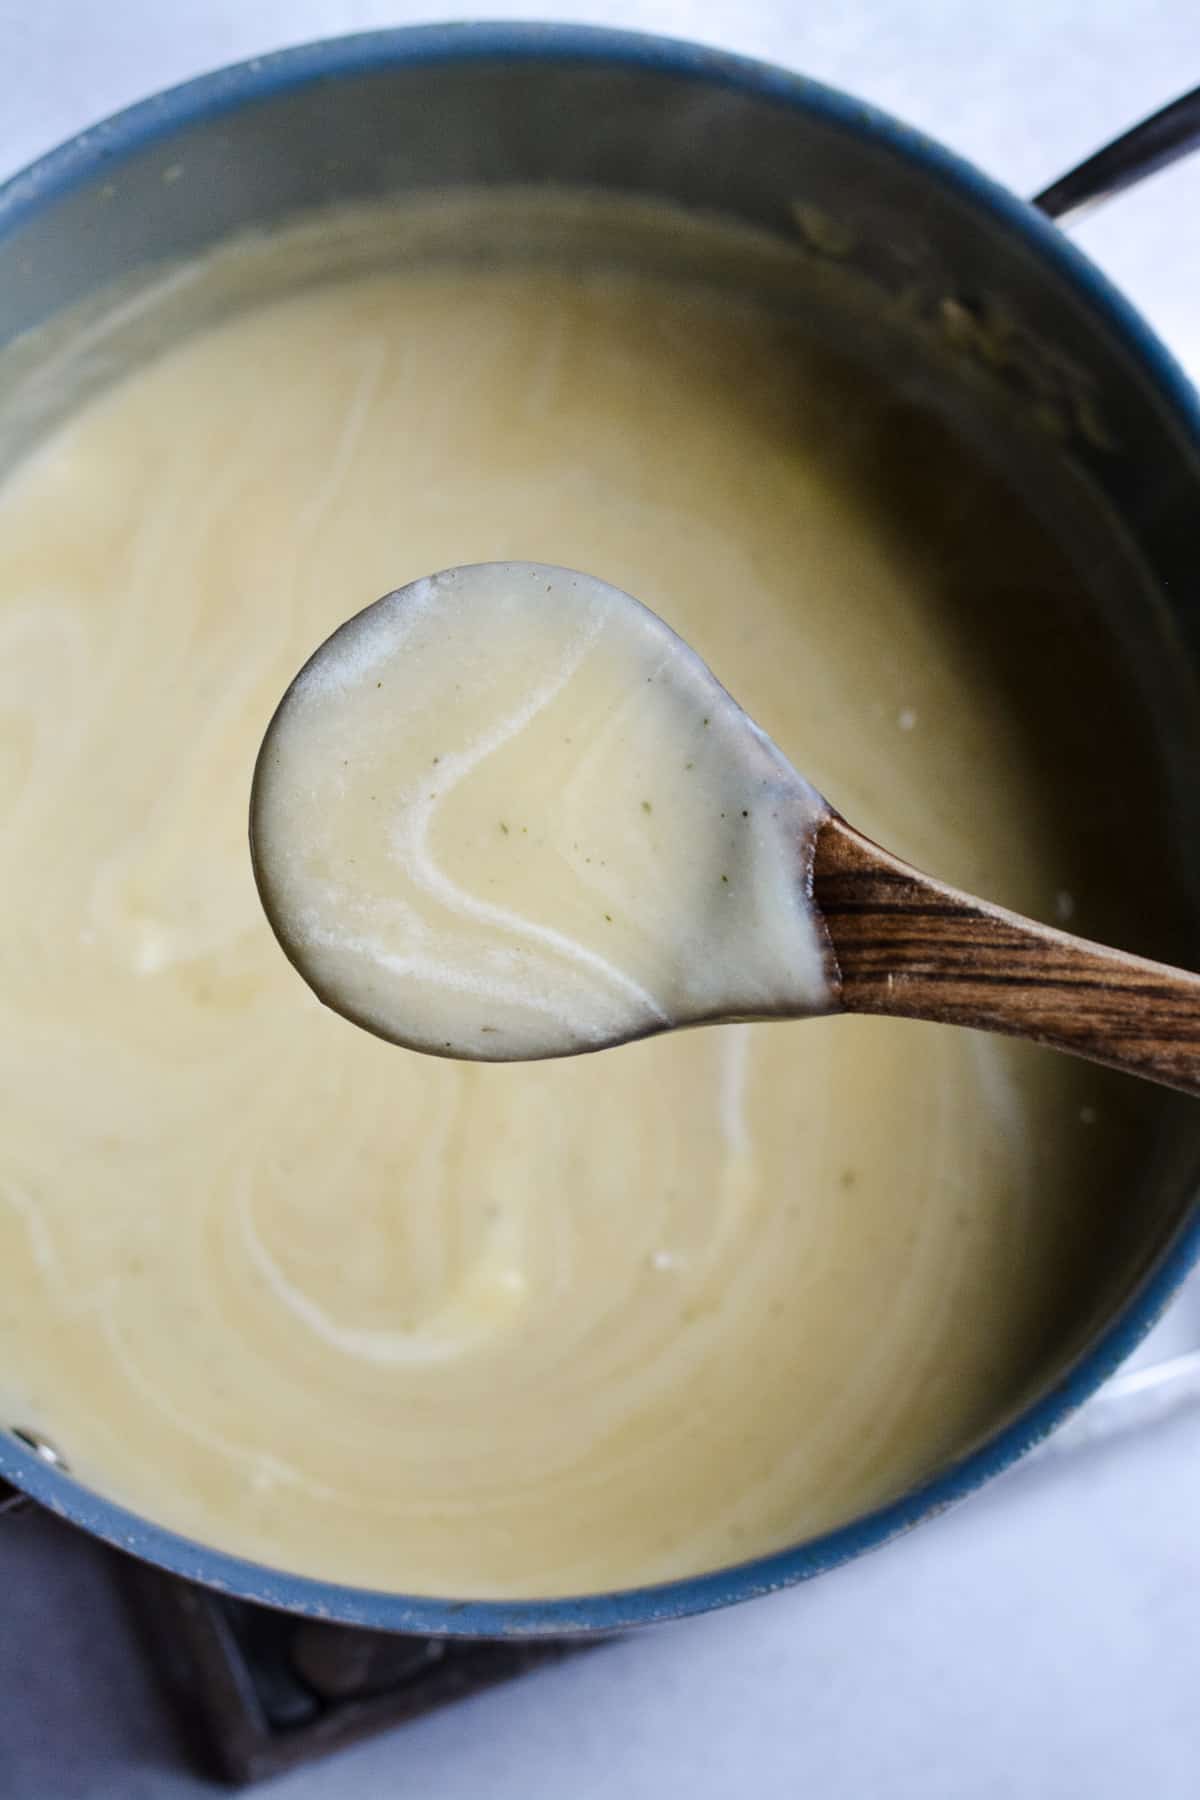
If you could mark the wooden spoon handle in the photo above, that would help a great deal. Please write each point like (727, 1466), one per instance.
(910, 947)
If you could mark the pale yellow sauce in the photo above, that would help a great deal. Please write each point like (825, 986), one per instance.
(506, 813)
(530, 1329)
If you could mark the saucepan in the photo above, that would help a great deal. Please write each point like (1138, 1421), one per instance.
(911, 230)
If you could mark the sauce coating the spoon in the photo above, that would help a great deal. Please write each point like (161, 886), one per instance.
(505, 813)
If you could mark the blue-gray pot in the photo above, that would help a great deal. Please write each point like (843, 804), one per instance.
(367, 116)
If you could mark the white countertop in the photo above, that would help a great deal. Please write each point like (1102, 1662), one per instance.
(1044, 1640)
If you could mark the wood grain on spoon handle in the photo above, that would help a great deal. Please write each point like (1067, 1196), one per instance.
(911, 947)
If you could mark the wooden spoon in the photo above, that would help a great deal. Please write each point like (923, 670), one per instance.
(749, 896)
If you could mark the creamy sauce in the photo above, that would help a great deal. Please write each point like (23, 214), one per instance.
(505, 813)
(546, 1328)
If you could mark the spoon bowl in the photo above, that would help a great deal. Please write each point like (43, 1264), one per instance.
(506, 813)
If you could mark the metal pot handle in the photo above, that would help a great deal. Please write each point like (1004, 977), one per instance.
(1159, 140)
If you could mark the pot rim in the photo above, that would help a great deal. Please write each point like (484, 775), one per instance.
(92, 153)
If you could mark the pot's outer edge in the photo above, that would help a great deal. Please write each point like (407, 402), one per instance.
(89, 157)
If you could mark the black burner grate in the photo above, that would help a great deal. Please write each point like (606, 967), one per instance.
(260, 1691)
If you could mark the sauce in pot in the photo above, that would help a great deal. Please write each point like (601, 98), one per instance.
(553, 1327)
